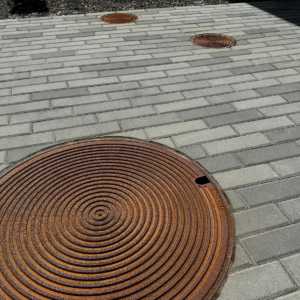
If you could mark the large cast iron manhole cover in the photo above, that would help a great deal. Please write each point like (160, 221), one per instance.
(119, 18)
(211, 40)
(111, 219)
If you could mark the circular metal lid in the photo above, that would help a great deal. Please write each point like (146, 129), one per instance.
(119, 18)
(211, 40)
(112, 218)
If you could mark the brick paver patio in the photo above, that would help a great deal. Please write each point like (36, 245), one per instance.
(235, 111)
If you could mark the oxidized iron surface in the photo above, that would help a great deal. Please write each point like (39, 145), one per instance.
(111, 219)
(119, 18)
(211, 40)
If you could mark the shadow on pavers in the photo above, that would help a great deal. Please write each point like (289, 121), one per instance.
(27, 6)
(287, 10)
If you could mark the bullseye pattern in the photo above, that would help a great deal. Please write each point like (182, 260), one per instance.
(211, 40)
(111, 219)
(119, 18)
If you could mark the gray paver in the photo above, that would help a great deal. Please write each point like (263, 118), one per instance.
(280, 89)
(168, 130)
(231, 97)
(149, 121)
(245, 176)
(241, 259)
(207, 111)
(86, 131)
(3, 120)
(63, 123)
(269, 153)
(257, 283)
(258, 102)
(220, 163)
(274, 243)
(258, 219)
(238, 143)
(271, 192)
(59, 94)
(204, 136)
(285, 134)
(139, 101)
(291, 208)
(235, 201)
(292, 97)
(233, 118)
(208, 91)
(194, 151)
(12, 130)
(288, 167)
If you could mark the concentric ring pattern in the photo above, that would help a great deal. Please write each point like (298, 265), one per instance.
(119, 18)
(111, 219)
(211, 40)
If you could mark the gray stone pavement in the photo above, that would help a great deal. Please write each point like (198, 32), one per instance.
(235, 111)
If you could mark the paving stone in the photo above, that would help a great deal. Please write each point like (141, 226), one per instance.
(38, 88)
(100, 107)
(2, 157)
(188, 70)
(235, 201)
(58, 94)
(75, 35)
(233, 118)
(258, 102)
(5, 92)
(12, 130)
(164, 81)
(177, 128)
(149, 121)
(181, 105)
(271, 192)
(184, 86)
(235, 144)
(104, 67)
(252, 69)
(292, 296)
(24, 82)
(256, 85)
(41, 115)
(220, 163)
(126, 113)
(208, 75)
(86, 131)
(291, 208)
(245, 176)
(14, 76)
(257, 283)
(288, 167)
(91, 82)
(263, 125)
(138, 134)
(55, 72)
(18, 108)
(231, 65)
(64, 123)
(241, 259)
(208, 91)
(26, 140)
(193, 151)
(273, 244)
(14, 99)
(258, 219)
(269, 153)
(231, 79)
(139, 101)
(280, 109)
(209, 62)
(204, 136)
(289, 79)
(149, 62)
(53, 54)
(4, 120)
(207, 111)
(285, 134)
(280, 89)
(114, 87)
(166, 141)
(124, 71)
(21, 36)
(231, 97)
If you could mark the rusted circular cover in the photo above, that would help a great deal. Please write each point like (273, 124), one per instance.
(111, 219)
(211, 40)
(119, 18)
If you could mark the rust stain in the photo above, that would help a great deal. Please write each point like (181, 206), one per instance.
(117, 18)
(211, 40)
(111, 218)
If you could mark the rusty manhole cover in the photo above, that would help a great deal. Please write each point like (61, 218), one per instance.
(119, 18)
(111, 219)
(211, 40)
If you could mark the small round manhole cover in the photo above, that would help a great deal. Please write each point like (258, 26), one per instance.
(112, 219)
(211, 40)
(119, 18)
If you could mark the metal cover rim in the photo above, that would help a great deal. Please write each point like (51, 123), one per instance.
(119, 18)
(224, 233)
(229, 41)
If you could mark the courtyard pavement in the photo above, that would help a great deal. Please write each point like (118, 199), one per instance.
(235, 111)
